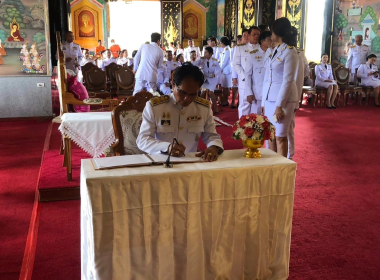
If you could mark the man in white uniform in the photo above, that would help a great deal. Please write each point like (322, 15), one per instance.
(357, 55)
(72, 51)
(146, 62)
(108, 60)
(182, 115)
(242, 63)
(191, 48)
(254, 82)
(86, 59)
(211, 42)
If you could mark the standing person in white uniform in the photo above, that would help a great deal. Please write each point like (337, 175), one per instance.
(299, 83)
(369, 75)
(279, 89)
(146, 62)
(179, 49)
(357, 55)
(191, 48)
(108, 60)
(256, 74)
(211, 70)
(72, 51)
(211, 42)
(242, 63)
(182, 115)
(241, 40)
(225, 65)
(86, 59)
(324, 78)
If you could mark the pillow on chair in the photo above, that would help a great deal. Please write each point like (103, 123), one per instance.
(130, 123)
(79, 91)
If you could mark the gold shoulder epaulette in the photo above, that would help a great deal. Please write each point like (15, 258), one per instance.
(159, 100)
(254, 51)
(241, 45)
(290, 47)
(164, 62)
(352, 47)
(202, 101)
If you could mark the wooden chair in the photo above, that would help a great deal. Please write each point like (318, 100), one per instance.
(108, 68)
(126, 120)
(342, 76)
(112, 84)
(125, 80)
(319, 91)
(66, 98)
(307, 90)
(96, 83)
(365, 90)
(86, 68)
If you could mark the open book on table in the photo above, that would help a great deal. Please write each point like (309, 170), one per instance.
(141, 160)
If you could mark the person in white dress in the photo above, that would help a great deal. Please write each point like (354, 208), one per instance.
(189, 49)
(124, 58)
(179, 49)
(107, 61)
(225, 65)
(211, 69)
(146, 62)
(369, 74)
(324, 78)
(279, 96)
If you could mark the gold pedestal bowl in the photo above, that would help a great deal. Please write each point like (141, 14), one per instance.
(252, 148)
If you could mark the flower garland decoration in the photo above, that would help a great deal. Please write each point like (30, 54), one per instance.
(255, 127)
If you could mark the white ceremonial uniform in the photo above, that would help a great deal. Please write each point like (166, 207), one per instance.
(225, 65)
(306, 70)
(279, 88)
(209, 67)
(368, 81)
(324, 72)
(188, 50)
(215, 50)
(357, 55)
(72, 50)
(242, 63)
(299, 83)
(146, 62)
(163, 119)
(107, 61)
(83, 63)
(255, 80)
(179, 51)
(171, 66)
(123, 60)
(162, 78)
(234, 75)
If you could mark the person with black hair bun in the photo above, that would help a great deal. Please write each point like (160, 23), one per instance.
(324, 78)
(182, 115)
(369, 74)
(280, 95)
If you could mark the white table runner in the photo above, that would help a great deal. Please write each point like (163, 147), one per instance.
(93, 131)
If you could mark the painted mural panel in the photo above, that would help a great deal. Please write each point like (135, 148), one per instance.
(355, 18)
(191, 24)
(220, 22)
(172, 23)
(23, 37)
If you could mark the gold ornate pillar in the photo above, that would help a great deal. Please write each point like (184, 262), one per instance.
(171, 22)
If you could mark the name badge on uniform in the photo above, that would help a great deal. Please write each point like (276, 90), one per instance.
(279, 59)
(165, 120)
(195, 118)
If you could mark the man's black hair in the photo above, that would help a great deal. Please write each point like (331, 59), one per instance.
(188, 70)
(155, 37)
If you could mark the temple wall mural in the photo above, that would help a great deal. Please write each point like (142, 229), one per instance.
(24, 33)
(360, 17)
(171, 12)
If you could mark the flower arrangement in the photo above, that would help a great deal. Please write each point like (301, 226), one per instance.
(255, 127)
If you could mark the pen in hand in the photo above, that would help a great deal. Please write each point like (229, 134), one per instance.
(179, 144)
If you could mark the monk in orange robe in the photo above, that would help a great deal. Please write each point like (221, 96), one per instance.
(99, 49)
(115, 49)
(2, 49)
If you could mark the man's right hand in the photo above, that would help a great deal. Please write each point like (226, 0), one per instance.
(234, 81)
(250, 99)
(178, 150)
(68, 59)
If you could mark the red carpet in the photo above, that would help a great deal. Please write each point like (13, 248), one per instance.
(336, 223)
(21, 149)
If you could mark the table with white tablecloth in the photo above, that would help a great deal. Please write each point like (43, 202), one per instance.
(92, 131)
(229, 219)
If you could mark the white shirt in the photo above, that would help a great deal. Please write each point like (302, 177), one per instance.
(256, 74)
(163, 118)
(363, 72)
(225, 60)
(188, 51)
(72, 50)
(106, 62)
(169, 67)
(146, 62)
(124, 60)
(357, 55)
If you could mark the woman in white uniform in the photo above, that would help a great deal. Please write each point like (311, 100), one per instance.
(225, 64)
(279, 95)
(324, 78)
(211, 70)
(369, 74)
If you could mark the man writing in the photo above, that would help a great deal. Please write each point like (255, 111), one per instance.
(148, 59)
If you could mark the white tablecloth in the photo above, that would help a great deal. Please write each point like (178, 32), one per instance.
(229, 219)
(93, 131)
